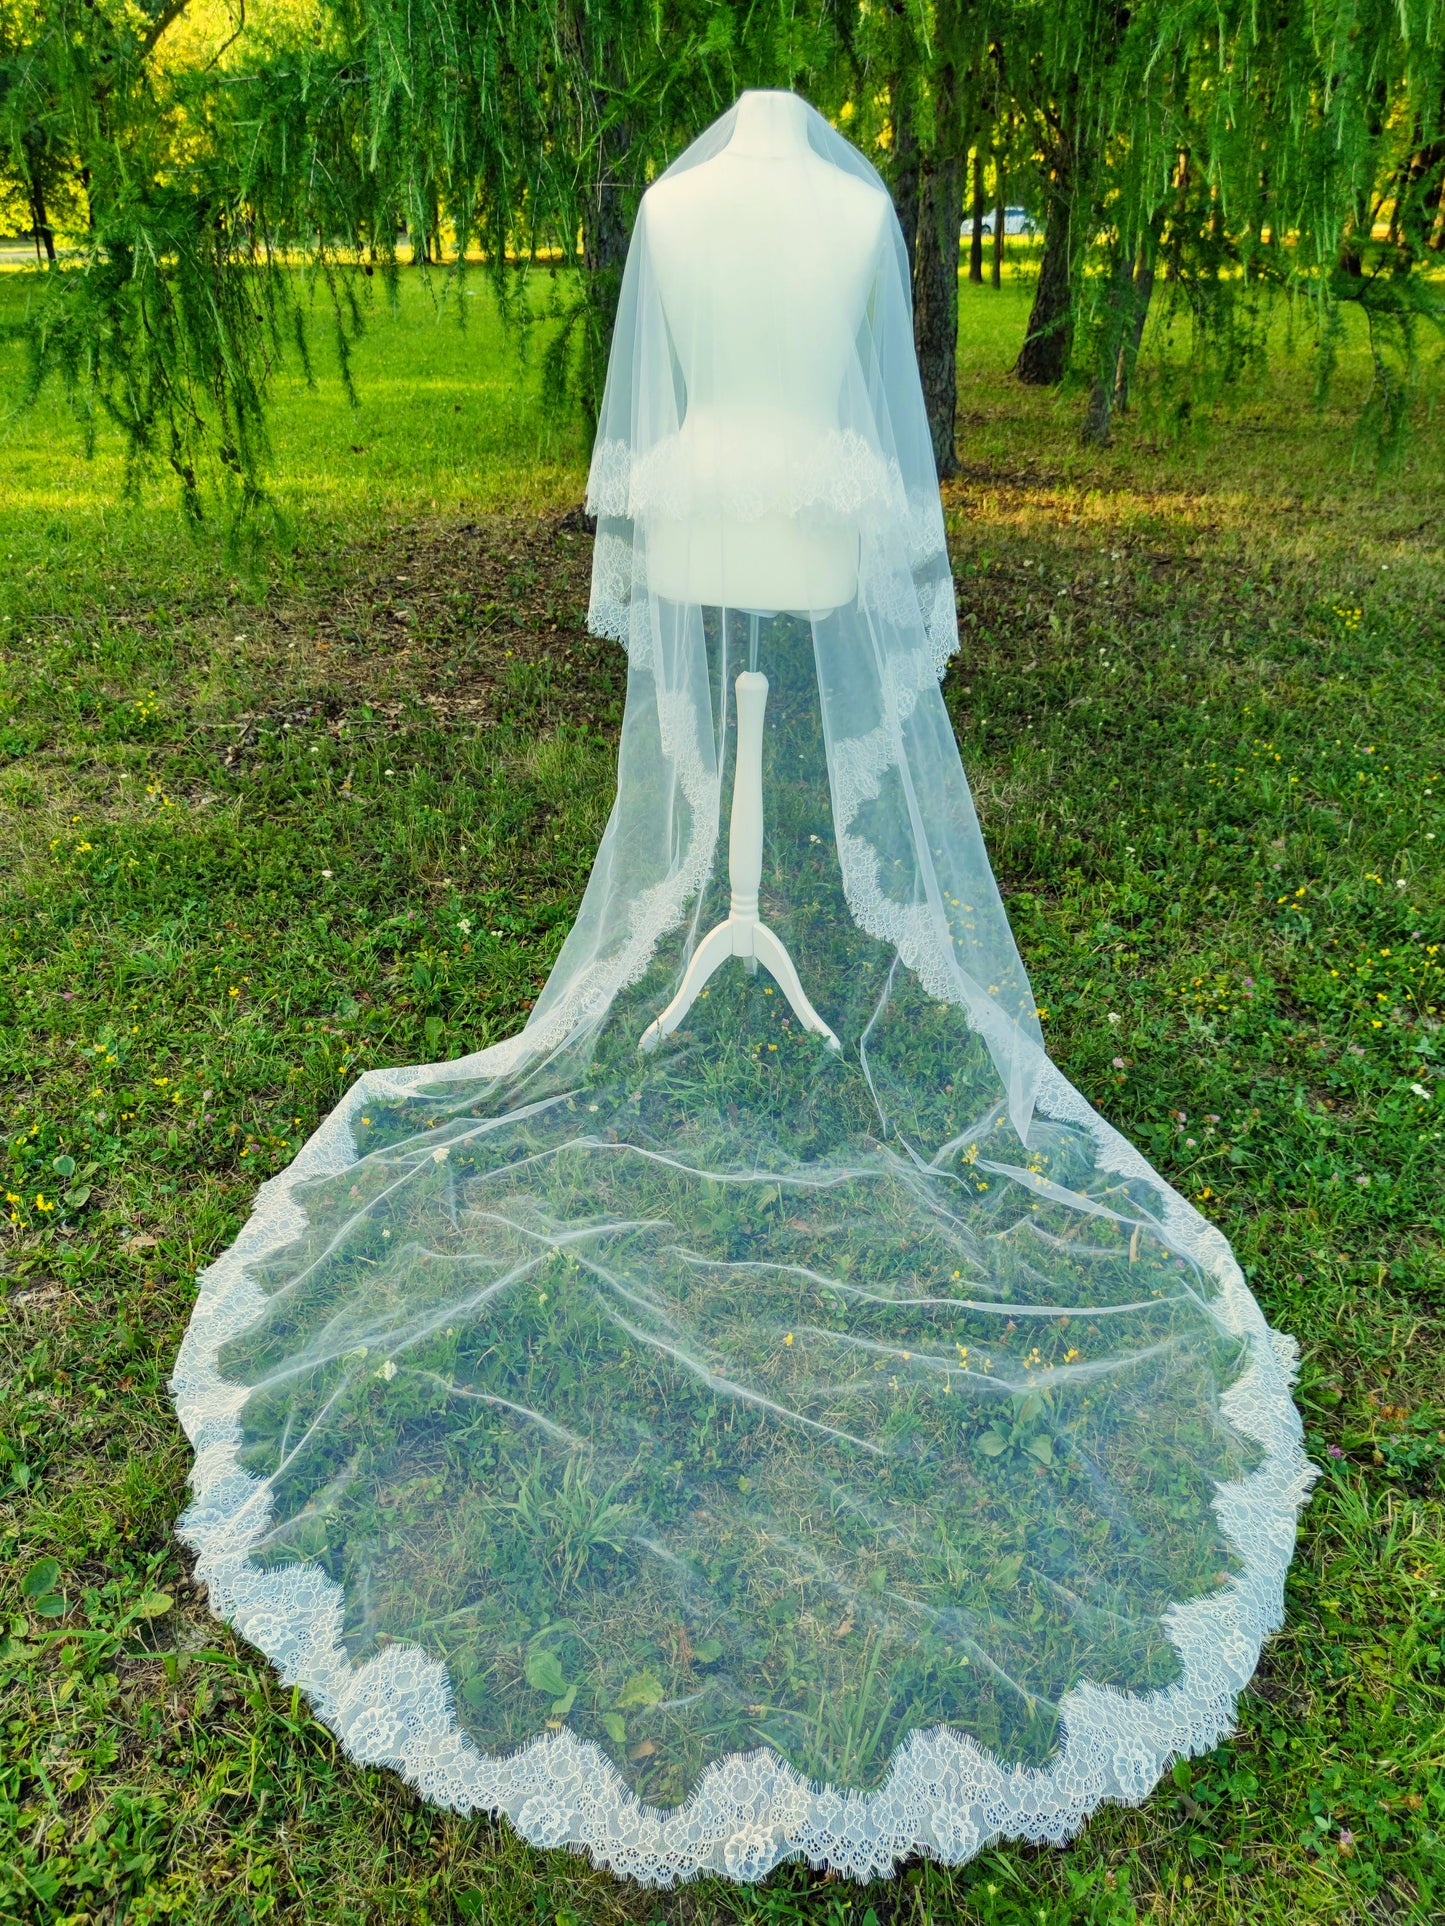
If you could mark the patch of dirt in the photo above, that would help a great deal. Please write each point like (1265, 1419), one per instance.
(459, 625)
(467, 605)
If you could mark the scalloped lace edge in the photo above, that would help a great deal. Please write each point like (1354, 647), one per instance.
(943, 1795)
(921, 601)
(838, 473)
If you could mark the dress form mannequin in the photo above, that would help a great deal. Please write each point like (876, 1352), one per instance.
(764, 256)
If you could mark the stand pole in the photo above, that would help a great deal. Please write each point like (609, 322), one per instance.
(742, 934)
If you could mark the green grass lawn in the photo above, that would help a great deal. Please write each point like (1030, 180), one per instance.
(246, 812)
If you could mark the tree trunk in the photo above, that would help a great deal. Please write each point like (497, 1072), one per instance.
(1134, 336)
(1413, 220)
(1178, 226)
(44, 232)
(1049, 336)
(587, 37)
(604, 232)
(604, 256)
(1437, 238)
(426, 249)
(1131, 288)
(1265, 216)
(34, 147)
(975, 245)
(1398, 197)
(935, 294)
(1000, 213)
(903, 174)
(1101, 394)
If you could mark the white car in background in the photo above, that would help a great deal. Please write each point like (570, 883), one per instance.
(1016, 220)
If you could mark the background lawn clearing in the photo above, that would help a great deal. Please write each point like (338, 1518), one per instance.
(247, 814)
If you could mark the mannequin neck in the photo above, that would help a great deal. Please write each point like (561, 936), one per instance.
(769, 126)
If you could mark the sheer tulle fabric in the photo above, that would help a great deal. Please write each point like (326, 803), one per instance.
(741, 1449)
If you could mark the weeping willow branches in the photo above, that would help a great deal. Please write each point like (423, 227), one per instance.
(220, 188)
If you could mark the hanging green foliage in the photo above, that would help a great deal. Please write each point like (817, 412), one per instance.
(226, 192)
(1231, 156)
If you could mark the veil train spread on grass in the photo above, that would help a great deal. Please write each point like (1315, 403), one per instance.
(703, 1434)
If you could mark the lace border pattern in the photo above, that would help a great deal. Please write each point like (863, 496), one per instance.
(609, 607)
(943, 1795)
(904, 574)
(837, 473)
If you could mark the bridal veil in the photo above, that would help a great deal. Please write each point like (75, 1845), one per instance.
(740, 1448)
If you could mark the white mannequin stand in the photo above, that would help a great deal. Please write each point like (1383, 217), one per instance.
(742, 934)
(764, 256)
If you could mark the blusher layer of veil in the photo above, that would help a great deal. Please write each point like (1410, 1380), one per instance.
(740, 1451)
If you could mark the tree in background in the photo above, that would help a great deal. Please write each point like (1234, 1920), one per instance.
(1232, 156)
(949, 78)
(938, 108)
(214, 179)
(39, 189)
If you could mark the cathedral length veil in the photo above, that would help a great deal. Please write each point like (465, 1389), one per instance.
(741, 1448)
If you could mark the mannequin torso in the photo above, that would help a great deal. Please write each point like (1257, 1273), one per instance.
(763, 256)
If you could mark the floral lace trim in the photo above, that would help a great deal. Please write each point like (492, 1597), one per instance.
(609, 607)
(649, 915)
(840, 474)
(619, 605)
(938, 605)
(858, 767)
(609, 479)
(943, 1795)
(837, 473)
